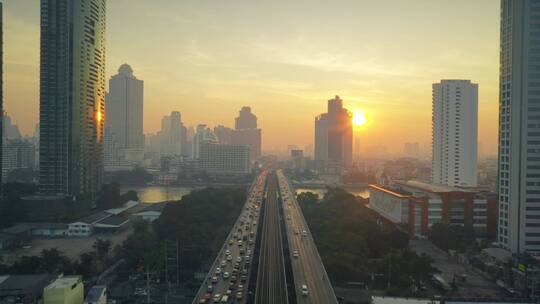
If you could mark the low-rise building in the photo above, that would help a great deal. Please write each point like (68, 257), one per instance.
(64, 290)
(420, 205)
(96, 295)
(24, 288)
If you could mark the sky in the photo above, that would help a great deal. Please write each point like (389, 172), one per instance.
(285, 59)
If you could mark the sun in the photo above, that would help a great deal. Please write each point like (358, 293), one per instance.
(359, 119)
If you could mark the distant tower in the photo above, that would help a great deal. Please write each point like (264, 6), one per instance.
(455, 133)
(124, 117)
(334, 135)
(72, 96)
(247, 133)
(246, 119)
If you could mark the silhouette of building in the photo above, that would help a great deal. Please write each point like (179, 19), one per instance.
(455, 133)
(72, 95)
(519, 124)
(17, 154)
(224, 134)
(124, 118)
(245, 119)
(334, 136)
(411, 149)
(247, 133)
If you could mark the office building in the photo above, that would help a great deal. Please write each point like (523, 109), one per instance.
(222, 159)
(247, 133)
(72, 96)
(519, 126)
(455, 133)
(224, 134)
(334, 136)
(64, 290)
(124, 118)
(17, 154)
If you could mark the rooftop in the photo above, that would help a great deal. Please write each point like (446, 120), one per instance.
(434, 188)
(94, 218)
(127, 205)
(63, 282)
(24, 284)
(395, 192)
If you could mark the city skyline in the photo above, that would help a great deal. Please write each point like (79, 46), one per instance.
(363, 66)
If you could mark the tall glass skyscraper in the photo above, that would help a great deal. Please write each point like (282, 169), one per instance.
(72, 93)
(519, 126)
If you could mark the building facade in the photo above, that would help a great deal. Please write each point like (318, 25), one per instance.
(72, 96)
(124, 117)
(334, 135)
(455, 133)
(519, 126)
(221, 159)
(418, 206)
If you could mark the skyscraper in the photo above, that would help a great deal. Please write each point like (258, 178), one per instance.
(245, 119)
(247, 133)
(124, 114)
(72, 93)
(334, 135)
(454, 133)
(1, 89)
(519, 126)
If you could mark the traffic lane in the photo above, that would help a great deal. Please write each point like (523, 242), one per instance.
(222, 285)
(307, 260)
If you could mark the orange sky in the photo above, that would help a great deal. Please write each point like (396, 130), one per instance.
(284, 59)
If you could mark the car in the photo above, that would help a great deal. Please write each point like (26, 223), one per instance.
(233, 278)
(210, 288)
(239, 295)
(239, 259)
(243, 278)
(246, 258)
(305, 291)
(223, 263)
(218, 271)
(304, 233)
(244, 271)
(203, 301)
(240, 287)
(240, 243)
(229, 258)
(225, 299)
(217, 297)
(215, 279)
(295, 253)
(227, 252)
(225, 275)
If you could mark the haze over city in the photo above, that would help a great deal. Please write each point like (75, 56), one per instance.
(284, 59)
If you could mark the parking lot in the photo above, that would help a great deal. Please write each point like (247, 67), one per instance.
(475, 284)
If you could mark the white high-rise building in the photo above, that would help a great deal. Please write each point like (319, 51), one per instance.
(124, 116)
(519, 126)
(455, 133)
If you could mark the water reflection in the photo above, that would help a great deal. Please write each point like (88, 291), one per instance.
(364, 193)
(155, 194)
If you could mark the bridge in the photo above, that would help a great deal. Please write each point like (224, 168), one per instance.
(269, 256)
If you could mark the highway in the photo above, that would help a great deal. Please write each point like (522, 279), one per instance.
(307, 266)
(228, 277)
(271, 282)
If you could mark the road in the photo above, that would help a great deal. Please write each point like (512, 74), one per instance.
(271, 282)
(307, 266)
(231, 269)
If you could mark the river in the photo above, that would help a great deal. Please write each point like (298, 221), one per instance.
(156, 194)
